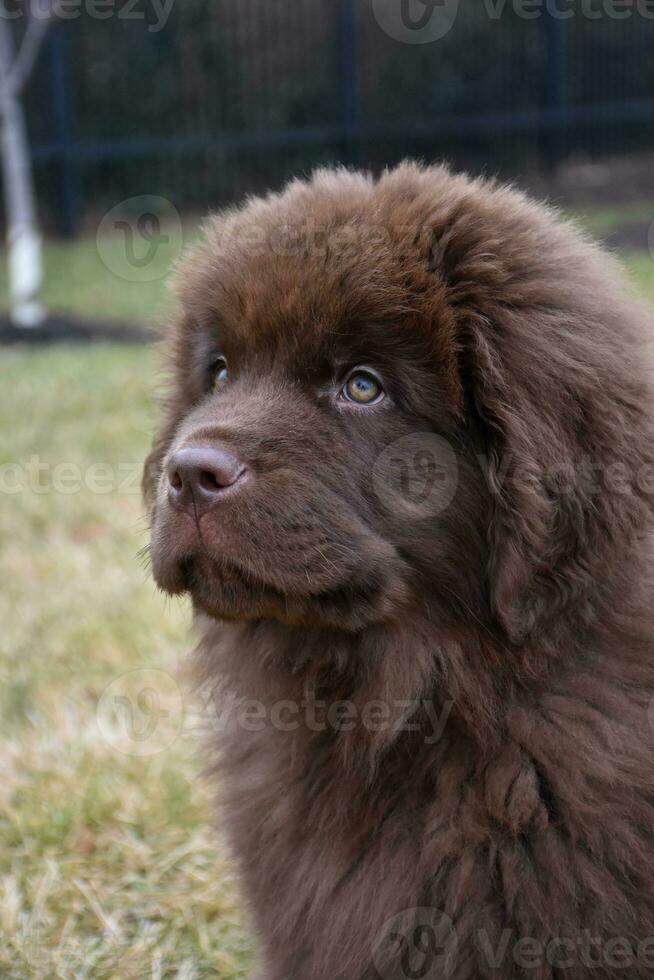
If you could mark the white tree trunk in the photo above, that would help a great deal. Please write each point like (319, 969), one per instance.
(24, 253)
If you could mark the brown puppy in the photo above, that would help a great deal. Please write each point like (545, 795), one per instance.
(406, 475)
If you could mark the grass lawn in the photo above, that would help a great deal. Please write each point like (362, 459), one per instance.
(109, 866)
(640, 267)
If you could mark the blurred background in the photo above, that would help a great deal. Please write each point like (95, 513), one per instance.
(199, 102)
(123, 123)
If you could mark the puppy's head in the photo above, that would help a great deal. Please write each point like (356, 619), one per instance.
(371, 381)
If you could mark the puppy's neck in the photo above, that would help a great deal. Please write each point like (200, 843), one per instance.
(375, 688)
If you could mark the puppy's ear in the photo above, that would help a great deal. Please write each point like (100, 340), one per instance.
(551, 435)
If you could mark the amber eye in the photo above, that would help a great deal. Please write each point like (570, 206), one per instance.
(219, 372)
(363, 388)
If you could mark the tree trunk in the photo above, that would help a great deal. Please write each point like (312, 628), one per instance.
(23, 238)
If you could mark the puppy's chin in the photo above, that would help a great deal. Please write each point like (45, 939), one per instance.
(338, 574)
(223, 590)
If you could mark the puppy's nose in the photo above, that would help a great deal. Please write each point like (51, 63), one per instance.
(200, 477)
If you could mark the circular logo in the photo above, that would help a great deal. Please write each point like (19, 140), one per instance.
(140, 238)
(141, 712)
(416, 475)
(417, 944)
(416, 21)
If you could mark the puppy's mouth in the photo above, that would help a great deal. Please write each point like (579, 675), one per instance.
(366, 587)
(226, 591)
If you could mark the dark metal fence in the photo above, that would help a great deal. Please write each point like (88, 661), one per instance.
(226, 96)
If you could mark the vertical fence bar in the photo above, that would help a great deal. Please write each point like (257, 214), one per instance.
(347, 51)
(63, 131)
(554, 84)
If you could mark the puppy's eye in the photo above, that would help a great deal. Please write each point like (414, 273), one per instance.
(219, 372)
(363, 388)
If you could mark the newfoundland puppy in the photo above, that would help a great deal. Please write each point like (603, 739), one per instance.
(406, 475)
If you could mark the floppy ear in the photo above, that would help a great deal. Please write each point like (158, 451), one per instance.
(562, 446)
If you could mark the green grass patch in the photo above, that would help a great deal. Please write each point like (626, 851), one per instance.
(602, 220)
(640, 268)
(109, 277)
(109, 865)
(78, 282)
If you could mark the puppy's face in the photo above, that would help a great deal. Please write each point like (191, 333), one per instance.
(375, 384)
(315, 465)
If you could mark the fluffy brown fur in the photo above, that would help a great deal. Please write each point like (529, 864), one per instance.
(499, 822)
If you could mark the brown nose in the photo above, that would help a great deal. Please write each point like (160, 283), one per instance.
(199, 477)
